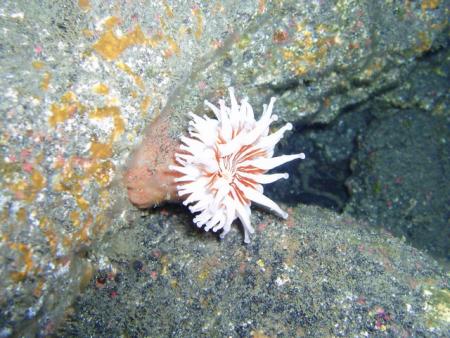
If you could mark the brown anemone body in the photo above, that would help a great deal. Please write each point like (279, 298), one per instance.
(147, 178)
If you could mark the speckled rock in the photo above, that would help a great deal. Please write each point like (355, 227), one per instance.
(80, 80)
(385, 160)
(401, 166)
(315, 274)
(405, 187)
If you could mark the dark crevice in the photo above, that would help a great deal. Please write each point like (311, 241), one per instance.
(280, 88)
(320, 178)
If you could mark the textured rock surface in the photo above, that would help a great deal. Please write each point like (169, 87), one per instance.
(401, 180)
(402, 163)
(80, 80)
(316, 274)
(386, 160)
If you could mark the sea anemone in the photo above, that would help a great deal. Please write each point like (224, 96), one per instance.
(223, 164)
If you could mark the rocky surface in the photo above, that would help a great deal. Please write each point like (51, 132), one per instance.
(315, 274)
(386, 160)
(405, 187)
(402, 163)
(80, 80)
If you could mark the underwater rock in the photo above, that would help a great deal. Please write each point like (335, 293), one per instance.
(314, 274)
(400, 178)
(81, 80)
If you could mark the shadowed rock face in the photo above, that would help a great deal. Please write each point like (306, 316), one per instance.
(385, 160)
(404, 187)
(315, 274)
(81, 81)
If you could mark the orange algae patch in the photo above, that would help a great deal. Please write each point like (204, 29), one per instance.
(39, 158)
(82, 234)
(69, 180)
(110, 46)
(145, 104)
(261, 6)
(81, 202)
(173, 48)
(203, 275)
(424, 42)
(46, 81)
(37, 292)
(280, 36)
(305, 54)
(74, 217)
(51, 236)
(100, 88)
(199, 23)
(37, 180)
(101, 172)
(258, 334)
(168, 9)
(21, 215)
(101, 150)
(85, 5)
(137, 79)
(111, 22)
(37, 64)
(114, 112)
(27, 190)
(61, 112)
(430, 4)
(306, 41)
(26, 260)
